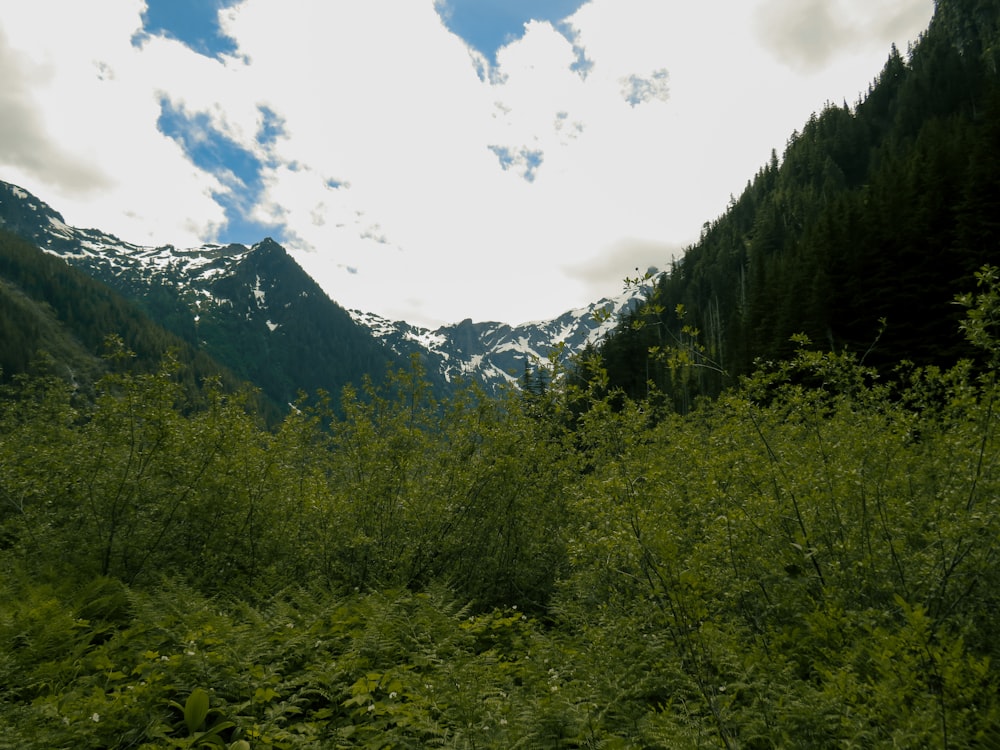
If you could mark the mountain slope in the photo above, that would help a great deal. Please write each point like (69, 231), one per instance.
(859, 237)
(30, 328)
(55, 319)
(256, 311)
(253, 309)
(497, 354)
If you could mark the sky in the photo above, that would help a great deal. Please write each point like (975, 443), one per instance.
(425, 160)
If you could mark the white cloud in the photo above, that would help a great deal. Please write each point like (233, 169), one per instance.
(809, 35)
(622, 259)
(399, 173)
(803, 33)
(638, 89)
(97, 103)
(25, 143)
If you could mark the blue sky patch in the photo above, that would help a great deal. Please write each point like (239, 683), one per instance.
(583, 64)
(532, 160)
(504, 155)
(272, 126)
(194, 23)
(488, 25)
(233, 165)
(524, 161)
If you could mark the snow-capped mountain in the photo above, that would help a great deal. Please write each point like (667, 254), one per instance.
(253, 309)
(256, 311)
(109, 258)
(496, 354)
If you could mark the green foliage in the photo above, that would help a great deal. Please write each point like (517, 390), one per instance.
(982, 322)
(809, 560)
(465, 491)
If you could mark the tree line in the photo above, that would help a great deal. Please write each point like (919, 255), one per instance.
(860, 235)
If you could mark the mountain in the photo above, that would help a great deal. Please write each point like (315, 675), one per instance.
(258, 313)
(860, 236)
(498, 354)
(55, 320)
(252, 309)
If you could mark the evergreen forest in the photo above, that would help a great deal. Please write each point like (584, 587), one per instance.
(764, 513)
(859, 236)
(55, 320)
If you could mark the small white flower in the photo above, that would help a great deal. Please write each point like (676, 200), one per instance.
(503, 722)
(392, 694)
(96, 717)
(371, 707)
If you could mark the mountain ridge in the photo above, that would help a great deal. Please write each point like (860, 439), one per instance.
(497, 353)
(253, 309)
(260, 314)
(58, 321)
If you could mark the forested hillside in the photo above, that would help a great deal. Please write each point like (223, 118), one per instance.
(859, 236)
(253, 309)
(275, 327)
(57, 321)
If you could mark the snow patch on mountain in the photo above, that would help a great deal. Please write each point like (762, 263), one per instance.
(237, 279)
(498, 354)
